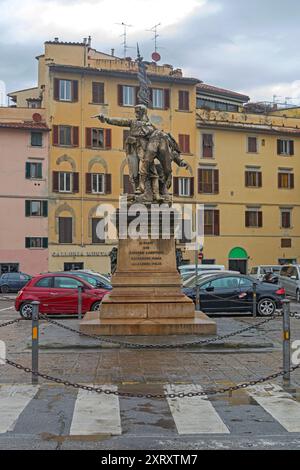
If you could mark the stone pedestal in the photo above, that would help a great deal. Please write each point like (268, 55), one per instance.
(147, 298)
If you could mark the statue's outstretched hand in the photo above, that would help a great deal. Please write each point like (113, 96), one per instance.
(101, 117)
(184, 164)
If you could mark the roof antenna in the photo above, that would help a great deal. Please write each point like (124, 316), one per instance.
(124, 36)
(155, 56)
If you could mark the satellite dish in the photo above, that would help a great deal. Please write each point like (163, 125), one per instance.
(156, 57)
(36, 117)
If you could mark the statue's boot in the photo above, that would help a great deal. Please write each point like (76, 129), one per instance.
(147, 195)
(155, 189)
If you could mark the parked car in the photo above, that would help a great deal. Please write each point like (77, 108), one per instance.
(190, 281)
(96, 280)
(289, 278)
(234, 293)
(259, 272)
(191, 268)
(13, 282)
(58, 294)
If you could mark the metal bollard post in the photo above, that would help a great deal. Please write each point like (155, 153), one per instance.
(35, 342)
(254, 299)
(286, 341)
(79, 303)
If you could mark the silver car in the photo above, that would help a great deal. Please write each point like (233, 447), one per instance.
(289, 278)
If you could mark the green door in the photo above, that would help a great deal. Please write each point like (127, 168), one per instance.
(238, 260)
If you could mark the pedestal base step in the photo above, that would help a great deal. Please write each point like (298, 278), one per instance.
(199, 325)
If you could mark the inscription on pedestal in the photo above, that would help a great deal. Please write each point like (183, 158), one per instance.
(146, 254)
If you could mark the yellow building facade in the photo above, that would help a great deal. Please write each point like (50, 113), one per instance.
(245, 178)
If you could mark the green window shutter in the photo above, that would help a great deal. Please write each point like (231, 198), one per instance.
(45, 242)
(40, 171)
(27, 242)
(45, 208)
(27, 170)
(27, 208)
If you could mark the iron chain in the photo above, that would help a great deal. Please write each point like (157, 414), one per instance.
(11, 322)
(202, 393)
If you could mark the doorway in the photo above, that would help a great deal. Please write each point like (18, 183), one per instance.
(238, 260)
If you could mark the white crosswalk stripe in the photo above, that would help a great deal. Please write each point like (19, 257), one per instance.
(279, 404)
(96, 413)
(194, 415)
(13, 401)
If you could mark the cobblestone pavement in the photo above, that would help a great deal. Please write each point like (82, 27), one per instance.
(150, 423)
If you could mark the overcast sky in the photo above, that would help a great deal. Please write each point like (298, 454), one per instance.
(250, 46)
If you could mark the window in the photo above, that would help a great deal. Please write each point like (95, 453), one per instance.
(183, 100)
(184, 186)
(98, 181)
(252, 144)
(36, 139)
(286, 243)
(44, 282)
(95, 238)
(285, 147)
(211, 222)
(186, 234)
(158, 98)
(65, 90)
(253, 179)
(184, 143)
(207, 146)
(285, 180)
(65, 136)
(33, 170)
(126, 134)
(98, 93)
(244, 282)
(36, 242)
(128, 96)
(65, 225)
(33, 104)
(208, 181)
(285, 218)
(65, 182)
(9, 268)
(254, 218)
(73, 266)
(36, 208)
(97, 138)
(67, 283)
(216, 105)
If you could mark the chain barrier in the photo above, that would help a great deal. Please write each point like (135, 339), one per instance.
(203, 393)
(11, 322)
(158, 346)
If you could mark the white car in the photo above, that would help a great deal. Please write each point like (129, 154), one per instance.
(258, 272)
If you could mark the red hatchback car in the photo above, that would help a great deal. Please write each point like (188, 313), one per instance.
(58, 294)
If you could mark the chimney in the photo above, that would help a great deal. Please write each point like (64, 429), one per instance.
(89, 41)
(113, 52)
(84, 41)
(56, 39)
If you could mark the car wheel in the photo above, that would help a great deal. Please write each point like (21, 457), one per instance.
(266, 307)
(4, 289)
(96, 307)
(298, 296)
(26, 311)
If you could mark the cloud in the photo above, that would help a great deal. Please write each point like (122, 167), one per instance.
(245, 46)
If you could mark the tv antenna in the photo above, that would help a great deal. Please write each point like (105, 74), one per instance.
(155, 56)
(124, 36)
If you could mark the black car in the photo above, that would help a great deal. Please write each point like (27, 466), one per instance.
(13, 282)
(234, 293)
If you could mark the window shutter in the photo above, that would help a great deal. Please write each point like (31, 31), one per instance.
(137, 89)
(207, 145)
(260, 219)
(75, 131)
(45, 243)
(40, 170)
(126, 134)
(216, 223)
(247, 219)
(259, 175)
(279, 147)
(200, 181)
(45, 208)
(127, 186)
(75, 90)
(187, 144)
(166, 98)
(108, 142)
(27, 208)
(151, 97)
(181, 142)
(55, 135)
(27, 170)
(88, 137)
(176, 186)
(192, 186)
(120, 95)
(27, 242)
(55, 176)
(291, 147)
(216, 181)
(246, 178)
(279, 181)
(108, 184)
(292, 181)
(88, 183)
(56, 88)
(75, 183)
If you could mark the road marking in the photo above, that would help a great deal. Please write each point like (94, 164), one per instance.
(279, 404)
(13, 400)
(194, 415)
(4, 309)
(96, 413)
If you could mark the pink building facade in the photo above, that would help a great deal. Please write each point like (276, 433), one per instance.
(23, 191)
